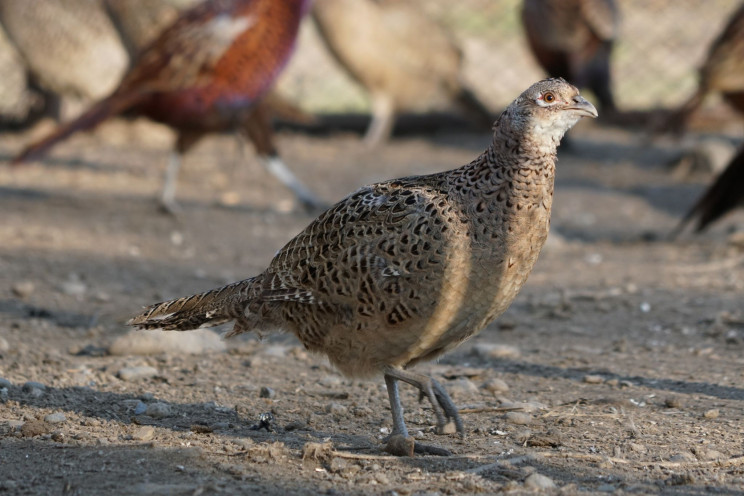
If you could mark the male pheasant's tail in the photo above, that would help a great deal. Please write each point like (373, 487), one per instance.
(209, 309)
(726, 192)
(99, 112)
(474, 108)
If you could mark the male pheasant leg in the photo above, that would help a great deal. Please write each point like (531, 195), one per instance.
(168, 194)
(279, 170)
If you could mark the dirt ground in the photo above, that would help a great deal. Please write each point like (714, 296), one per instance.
(618, 370)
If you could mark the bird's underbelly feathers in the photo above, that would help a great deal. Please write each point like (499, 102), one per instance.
(477, 283)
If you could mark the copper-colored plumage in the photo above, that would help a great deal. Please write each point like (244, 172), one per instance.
(203, 74)
(573, 39)
(405, 270)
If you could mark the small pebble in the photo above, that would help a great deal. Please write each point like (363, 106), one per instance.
(336, 409)
(682, 457)
(489, 351)
(34, 428)
(330, 381)
(518, 418)
(22, 289)
(195, 342)
(593, 379)
(496, 386)
(462, 387)
(5, 383)
(74, 287)
(266, 392)
(140, 408)
(672, 403)
(55, 418)
(712, 413)
(136, 373)
(158, 410)
(4, 345)
(539, 481)
(144, 433)
(276, 350)
(31, 385)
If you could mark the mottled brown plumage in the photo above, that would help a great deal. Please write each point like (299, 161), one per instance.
(722, 72)
(205, 73)
(402, 271)
(405, 60)
(573, 39)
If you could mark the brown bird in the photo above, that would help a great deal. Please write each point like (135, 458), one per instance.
(405, 60)
(402, 271)
(722, 72)
(573, 39)
(203, 74)
(725, 194)
(70, 47)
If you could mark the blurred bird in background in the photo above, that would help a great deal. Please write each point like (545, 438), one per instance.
(70, 47)
(405, 60)
(723, 72)
(573, 39)
(205, 73)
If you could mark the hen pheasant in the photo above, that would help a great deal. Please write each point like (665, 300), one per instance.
(722, 71)
(405, 60)
(70, 47)
(203, 74)
(402, 271)
(573, 39)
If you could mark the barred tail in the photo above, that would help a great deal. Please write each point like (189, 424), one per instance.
(209, 309)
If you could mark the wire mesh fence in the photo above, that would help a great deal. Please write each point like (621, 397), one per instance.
(660, 46)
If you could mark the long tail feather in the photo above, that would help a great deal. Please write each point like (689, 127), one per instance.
(726, 192)
(99, 112)
(475, 108)
(209, 309)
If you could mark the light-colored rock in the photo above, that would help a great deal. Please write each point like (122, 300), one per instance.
(144, 433)
(518, 418)
(496, 386)
(55, 418)
(158, 410)
(593, 379)
(336, 409)
(462, 387)
(35, 389)
(712, 413)
(4, 345)
(156, 342)
(491, 351)
(136, 373)
(539, 481)
(22, 289)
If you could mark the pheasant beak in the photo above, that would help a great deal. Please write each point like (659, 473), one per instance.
(582, 107)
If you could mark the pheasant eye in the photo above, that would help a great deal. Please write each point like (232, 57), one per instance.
(549, 97)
